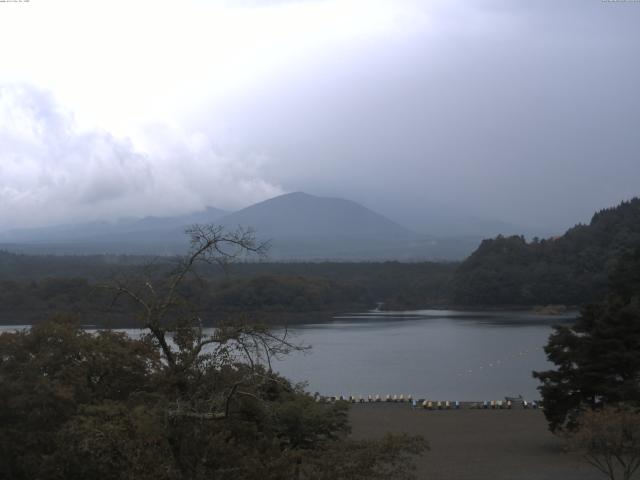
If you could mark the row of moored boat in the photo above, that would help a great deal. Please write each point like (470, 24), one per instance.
(508, 403)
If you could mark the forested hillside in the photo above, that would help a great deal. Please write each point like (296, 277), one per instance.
(571, 269)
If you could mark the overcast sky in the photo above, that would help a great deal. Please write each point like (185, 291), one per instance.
(522, 111)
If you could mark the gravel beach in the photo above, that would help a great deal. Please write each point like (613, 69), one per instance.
(476, 444)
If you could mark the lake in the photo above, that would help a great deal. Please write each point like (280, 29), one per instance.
(427, 353)
(436, 354)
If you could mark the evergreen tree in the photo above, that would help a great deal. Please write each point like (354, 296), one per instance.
(598, 358)
(571, 269)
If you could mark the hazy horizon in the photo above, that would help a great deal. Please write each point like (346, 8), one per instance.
(525, 113)
(481, 225)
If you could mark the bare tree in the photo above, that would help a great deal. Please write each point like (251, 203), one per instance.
(176, 326)
(610, 441)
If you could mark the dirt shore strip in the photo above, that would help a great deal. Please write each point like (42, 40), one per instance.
(476, 444)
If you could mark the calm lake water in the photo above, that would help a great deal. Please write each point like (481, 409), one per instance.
(446, 355)
(427, 353)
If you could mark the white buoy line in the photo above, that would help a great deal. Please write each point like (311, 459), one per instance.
(488, 366)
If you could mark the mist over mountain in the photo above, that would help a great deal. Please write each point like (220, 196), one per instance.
(126, 227)
(155, 235)
(443, 220)
(303, 226)
(300, 215)
(299, 226)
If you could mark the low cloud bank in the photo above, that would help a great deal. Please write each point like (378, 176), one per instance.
(51, 171)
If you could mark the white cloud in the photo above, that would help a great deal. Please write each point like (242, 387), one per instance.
(148, 83)
(52, 171)
(122, 64)
(367, 99)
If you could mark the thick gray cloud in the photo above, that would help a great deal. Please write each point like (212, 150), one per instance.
(527, 112)
(523, 111)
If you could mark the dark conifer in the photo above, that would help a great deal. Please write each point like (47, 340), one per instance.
(598, 358)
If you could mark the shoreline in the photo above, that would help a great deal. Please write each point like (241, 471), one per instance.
(285, 319)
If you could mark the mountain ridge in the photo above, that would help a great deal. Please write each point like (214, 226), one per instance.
(287, 216)
(300, 226)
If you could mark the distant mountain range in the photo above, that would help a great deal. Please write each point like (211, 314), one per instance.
(155, 235)
(300, 227)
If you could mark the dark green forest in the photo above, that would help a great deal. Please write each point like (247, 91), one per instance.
(33, 288)
(571, 269)
(597, 359)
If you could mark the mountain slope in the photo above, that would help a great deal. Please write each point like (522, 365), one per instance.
(303, 226)
(299, 226)
(571, 269)
(300, 215)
